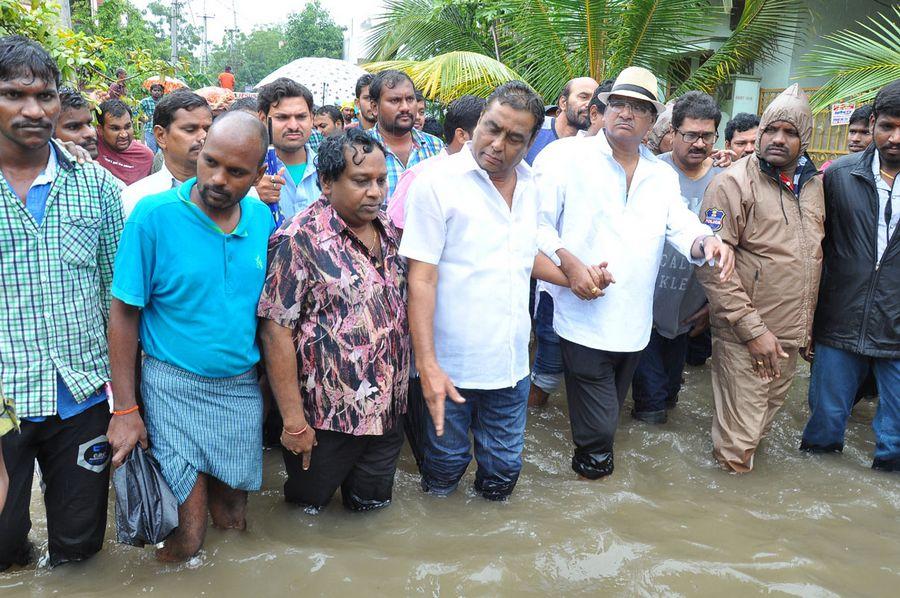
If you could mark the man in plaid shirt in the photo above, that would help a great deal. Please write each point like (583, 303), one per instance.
(148, 106)
(394, 95)
(59, 228)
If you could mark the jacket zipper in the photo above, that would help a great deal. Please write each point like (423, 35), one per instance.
(870, 293)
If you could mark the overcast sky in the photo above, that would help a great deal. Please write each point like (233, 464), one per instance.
(251, 13)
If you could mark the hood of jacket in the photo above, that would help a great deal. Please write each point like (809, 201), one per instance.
(791, 105)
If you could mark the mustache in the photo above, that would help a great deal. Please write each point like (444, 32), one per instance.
(30, 124)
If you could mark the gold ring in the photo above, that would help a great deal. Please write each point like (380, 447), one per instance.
(595, 290)
(759, 363)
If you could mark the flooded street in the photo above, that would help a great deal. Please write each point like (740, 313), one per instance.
(669, 521)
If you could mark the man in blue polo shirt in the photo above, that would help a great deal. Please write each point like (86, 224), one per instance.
(188, 275)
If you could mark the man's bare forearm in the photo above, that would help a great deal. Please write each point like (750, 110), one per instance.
(281, 365)
(124, 322)
(422, 298)
(546, 270)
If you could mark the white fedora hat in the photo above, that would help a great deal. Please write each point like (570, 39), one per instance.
(635, 82)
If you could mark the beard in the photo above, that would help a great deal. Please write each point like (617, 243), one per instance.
(581, 120)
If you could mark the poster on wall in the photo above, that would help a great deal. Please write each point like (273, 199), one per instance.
(840, 113)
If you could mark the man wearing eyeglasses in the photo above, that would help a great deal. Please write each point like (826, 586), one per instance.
(680, 311)
(609, 199)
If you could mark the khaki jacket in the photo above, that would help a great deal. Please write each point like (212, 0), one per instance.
(777, 240)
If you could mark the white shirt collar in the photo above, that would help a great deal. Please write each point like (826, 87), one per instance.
(523, 170)
(49, 173)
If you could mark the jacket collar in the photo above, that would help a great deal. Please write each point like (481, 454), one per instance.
(807, 171)
(863, 167)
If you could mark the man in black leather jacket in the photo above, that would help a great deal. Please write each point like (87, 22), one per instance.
(858, 315)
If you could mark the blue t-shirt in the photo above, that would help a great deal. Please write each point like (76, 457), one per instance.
(544, 137)
(197, 286)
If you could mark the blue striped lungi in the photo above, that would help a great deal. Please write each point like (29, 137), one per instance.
(205, 425)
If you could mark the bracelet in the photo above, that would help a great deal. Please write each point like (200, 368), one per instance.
(125, 411)
(297, 433)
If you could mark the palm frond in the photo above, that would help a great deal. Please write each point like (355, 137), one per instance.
(756, 36)
(446, 77)
(650, 29)
(419, 29)
(858, 63)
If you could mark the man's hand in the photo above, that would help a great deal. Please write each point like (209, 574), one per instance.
(722, 253)
(587, 283)
(300, 444)
(809, 351)
(124, 432)
(269, 187)
(80, 154)
(699, 321)
(723, 158)
(766, 352)
(437, 388)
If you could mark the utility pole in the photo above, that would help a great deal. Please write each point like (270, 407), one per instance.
(173, 29)
(206, 19)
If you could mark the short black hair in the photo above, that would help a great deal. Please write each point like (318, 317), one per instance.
(362, 82)
(463, 113)
(113, 108)
(277, 90)
(887, 101)
(863, 113)
(433, 127)
(227, 69)
(742, 121)
(331, 112)
(121, 69)
(331, 161)
(604, 87)
(697, 105)
(519, 96)
(72, 99)
(21, 57)
(390, 78)
(165, 110)
(159, 85)
(419, 96)
(246, 103)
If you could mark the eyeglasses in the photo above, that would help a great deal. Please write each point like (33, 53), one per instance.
(692, 137)
(638, 108)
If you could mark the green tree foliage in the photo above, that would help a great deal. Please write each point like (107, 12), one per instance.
(252, 56)
(549, 42)
(88, 57)
(312, 32)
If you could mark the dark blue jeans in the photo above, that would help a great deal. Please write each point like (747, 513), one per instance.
(657, 379)
(836, 376)
(547, 371)
(497, 421)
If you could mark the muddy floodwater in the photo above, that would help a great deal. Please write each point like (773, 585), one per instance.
(668, 522)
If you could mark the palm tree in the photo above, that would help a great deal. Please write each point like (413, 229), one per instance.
(859, 63)
(479, 44)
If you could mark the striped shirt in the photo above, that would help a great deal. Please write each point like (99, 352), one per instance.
(54, 300)
(424, 146)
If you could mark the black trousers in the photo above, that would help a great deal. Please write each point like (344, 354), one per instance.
(415, 420)
(597, 383)
(362, 467)
(74, 458)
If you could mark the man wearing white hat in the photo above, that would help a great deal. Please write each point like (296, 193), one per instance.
(608, 199)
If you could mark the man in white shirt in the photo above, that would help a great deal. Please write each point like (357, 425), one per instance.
(608, 198)
(471, 240)
(180, 123)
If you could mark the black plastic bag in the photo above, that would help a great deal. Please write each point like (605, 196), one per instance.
(146, 509)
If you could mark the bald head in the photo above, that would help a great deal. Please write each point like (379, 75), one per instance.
(232, 160)
(243, 130)
(574, 105)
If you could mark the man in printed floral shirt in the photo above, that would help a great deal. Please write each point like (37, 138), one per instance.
(335, 335)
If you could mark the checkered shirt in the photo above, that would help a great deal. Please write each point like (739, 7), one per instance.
(54, 300)
(424, 146)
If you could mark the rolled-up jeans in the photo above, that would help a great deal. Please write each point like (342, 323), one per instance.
(547, 371)
(836, 376)
(497, 420)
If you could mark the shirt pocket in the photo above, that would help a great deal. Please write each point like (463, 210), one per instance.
(79, 240)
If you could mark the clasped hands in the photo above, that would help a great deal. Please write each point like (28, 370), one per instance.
(587, 281)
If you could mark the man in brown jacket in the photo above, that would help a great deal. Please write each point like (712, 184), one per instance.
(770, 208)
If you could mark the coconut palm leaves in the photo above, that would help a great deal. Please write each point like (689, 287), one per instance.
(451, 75)
(858, 62)
(548, 42)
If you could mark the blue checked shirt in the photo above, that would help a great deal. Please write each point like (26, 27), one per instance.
(54, 300)
(424, 146)
(148, 106)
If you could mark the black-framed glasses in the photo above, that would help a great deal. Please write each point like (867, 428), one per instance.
(692, 137)
(638, 108)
